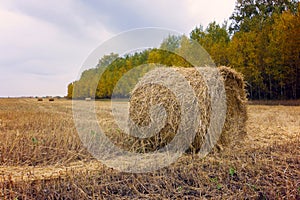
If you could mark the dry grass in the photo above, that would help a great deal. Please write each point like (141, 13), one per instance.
(38, 133)
(276, 102)
(54, 165)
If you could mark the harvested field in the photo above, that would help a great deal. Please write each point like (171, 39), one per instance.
(42, 157)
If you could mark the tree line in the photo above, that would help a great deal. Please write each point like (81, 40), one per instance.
(262, 42)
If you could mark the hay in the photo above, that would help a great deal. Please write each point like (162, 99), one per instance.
(40, 99)
(88, 99)
(147, 95)
(51, 99)
(235, 123)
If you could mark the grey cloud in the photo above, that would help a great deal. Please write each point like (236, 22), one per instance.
(44, 43)
(124, 15)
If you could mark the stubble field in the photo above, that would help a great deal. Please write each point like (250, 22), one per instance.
(42, 157)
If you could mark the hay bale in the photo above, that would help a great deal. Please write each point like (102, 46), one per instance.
(88, 99)
(40, 99)
(51, 99)
(235, 123)
(147, 95)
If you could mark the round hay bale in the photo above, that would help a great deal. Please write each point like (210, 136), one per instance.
(40, 99)
(145, 96)
(51, 99)
(236, 99)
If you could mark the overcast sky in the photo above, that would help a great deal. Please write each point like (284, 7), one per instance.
(44, 43)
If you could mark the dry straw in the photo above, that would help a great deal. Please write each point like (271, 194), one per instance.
(147, 95)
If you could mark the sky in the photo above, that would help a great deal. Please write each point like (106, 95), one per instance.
(43, 44)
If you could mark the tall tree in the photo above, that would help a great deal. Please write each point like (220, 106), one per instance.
(214, 40)
(107, 60)
(70, 91)
(249, 14)
(171, 43)
(284, 50)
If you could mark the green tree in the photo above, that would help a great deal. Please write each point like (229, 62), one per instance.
(214, 40)
(249, 14)
(171, 43)
(107, 60)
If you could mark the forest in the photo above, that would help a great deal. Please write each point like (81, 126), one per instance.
(260, 40)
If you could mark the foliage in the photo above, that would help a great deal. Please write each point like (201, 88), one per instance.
(232, 171)
(249, 13)
(214, 40)
(266, 51)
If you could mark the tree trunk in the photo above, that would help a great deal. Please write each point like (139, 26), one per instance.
(270, 86)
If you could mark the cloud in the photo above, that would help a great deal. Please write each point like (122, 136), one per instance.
(34, 47)
(44, 43)
(179, 15)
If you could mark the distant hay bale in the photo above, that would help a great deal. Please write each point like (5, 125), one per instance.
(88, 99)
(147, 95)
(40, 99)
(51, 99)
